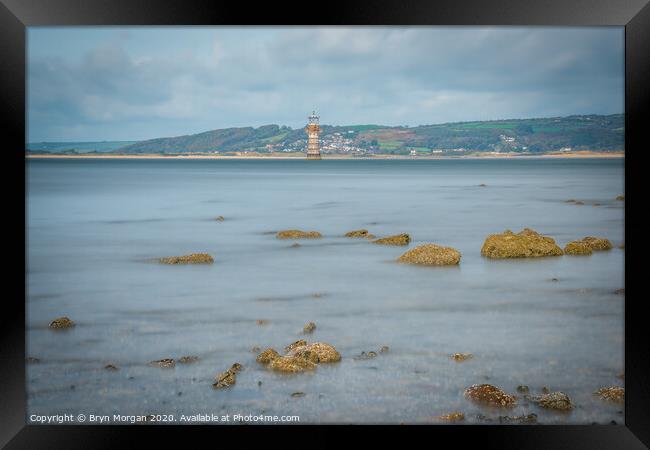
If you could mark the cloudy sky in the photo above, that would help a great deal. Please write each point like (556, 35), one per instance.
(132, 83)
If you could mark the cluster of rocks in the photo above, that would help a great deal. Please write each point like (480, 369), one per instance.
(587, 245)
(491, 395)
(529, 243)
(299, 356)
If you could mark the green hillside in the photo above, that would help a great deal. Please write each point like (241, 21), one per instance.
(530, 136)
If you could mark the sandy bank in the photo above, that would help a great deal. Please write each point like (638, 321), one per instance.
(579, 154)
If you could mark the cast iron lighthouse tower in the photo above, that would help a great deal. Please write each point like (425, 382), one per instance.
(313, 131)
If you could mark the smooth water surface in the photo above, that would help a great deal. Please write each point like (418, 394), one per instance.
(94, 226)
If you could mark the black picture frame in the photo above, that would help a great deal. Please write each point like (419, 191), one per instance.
(16, 15)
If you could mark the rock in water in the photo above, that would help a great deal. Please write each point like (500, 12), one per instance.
(612, 394)
(194, 258)
(620, 198)
(452, 417)
(597, 243)
(554, 400)
(525, 244)
(300, 356)
(62, 322)
(309, 328)
(398, 239)
(188, 359)
(577, 248)
(225, 379)
(489, 394)
(167, 362)
(431, 255)
(461, 356)
(363, 233)
(219, 218)
(298, 234)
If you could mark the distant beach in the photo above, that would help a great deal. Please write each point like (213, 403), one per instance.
(577, 154)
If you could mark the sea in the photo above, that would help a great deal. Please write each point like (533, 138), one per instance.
(95, 228)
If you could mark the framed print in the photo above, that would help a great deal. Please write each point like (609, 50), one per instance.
(416, 217)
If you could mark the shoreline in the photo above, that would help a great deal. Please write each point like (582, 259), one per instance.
(572, 155)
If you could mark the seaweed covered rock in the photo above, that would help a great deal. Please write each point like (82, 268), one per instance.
(577, 248)
(525, 244)
(291, 364)
(219, 218)
(193, 258)
(300, 356)
(597, 243)
(111, 367)
(227, 378)
(309, 328)
(620, 198)
(326, 353)
(489, 394)
(431, 255)
(461, 356)
(554, 400)
(61, 323)
(167, 362)
(363, 233)
(297, 234)
(398, 239)
(267, 356)
(612, 394)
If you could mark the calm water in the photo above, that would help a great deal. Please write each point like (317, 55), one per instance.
(92, 226)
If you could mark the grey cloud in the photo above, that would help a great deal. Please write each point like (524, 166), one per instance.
(389, 75)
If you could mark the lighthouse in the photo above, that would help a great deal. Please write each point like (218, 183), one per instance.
(313, 131)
